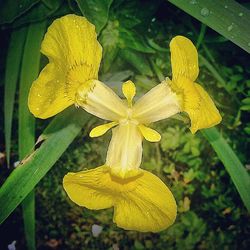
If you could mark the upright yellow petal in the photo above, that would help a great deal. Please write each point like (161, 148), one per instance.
(184, 58)
(129, 91)
(141, 203)
(74, 58)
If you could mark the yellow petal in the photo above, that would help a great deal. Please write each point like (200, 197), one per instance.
(184, 58)
(129, 90)
(149, 134)
(101, 129)
(47, 96)
(207, 115)
(87, 188)
(150, 207)
(125, 150)
(157, 104)
(198, 104)
(142, 203)
(98, 99)
(74, 57)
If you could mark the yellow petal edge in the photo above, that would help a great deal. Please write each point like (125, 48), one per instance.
(74, 57)
(142, 203)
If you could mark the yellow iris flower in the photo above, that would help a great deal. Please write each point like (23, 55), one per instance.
(141, 201)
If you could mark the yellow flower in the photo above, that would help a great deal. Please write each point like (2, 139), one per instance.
(140, 200)
(74, 58)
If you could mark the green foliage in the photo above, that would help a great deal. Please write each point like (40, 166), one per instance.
(26, 122)
(135, 42)
(11, 77)
(24, 11)
(52, 143)
(95, 11)
(227, 17)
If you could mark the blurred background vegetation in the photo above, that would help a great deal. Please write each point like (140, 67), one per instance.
(135, 36)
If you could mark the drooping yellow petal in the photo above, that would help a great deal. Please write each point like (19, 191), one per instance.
(102, 129)
(87, 188)
(142, 203)
(149, 134)
(47, 95)
(198, 104)
(150, 207)
(74, 58)
(184, 58)
(129, 91)
(207, 115)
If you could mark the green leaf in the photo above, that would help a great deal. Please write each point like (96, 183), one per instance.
(26, 121)
(38, 12)
(28, 207)
(10, 10)
(130, 39)
(13, 63)
(227, 17)
(29, 72)
(50, 146)
(109, 39)
(137, 60)
(236, 170)
(95, 11)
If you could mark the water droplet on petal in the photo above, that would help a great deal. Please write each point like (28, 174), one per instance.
(225, 6)
(205, 12)
(248, 44)
(240, 14)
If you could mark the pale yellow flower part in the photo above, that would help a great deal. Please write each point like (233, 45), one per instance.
(129, 122)
(142, 203)
(74, 57)
(193, 98)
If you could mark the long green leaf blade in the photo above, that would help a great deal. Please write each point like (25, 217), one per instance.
(28, 208)
(236, 170)
(26, 122)
(53, 142)
(11, 77)
(227, 17)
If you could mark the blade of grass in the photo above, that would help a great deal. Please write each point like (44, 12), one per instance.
(227, 17)
(51, 144)
(26, 122)
(13, 63)
(234, 167)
